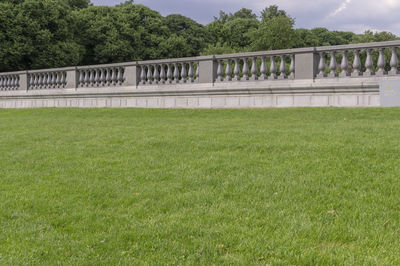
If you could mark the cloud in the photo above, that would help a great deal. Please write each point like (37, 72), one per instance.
(342, 7)
(352, 15)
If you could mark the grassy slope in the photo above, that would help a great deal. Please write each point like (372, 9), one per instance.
(289, 186)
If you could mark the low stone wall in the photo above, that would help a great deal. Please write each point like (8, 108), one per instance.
(343, 92)
(340, 76)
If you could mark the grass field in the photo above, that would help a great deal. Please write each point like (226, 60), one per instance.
(278, 186)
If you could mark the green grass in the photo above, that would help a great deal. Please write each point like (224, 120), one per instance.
(278, 186)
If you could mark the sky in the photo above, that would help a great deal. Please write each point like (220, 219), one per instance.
(347, 15)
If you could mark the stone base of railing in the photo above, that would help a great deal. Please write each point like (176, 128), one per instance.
(338, 92)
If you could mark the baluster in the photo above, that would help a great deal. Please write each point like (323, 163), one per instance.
(237, 70)
(54, 80)
(162, 74)
(1, 83)
(254, 69)
(156, 74)
(36, 81)
(114, 78)
(245, 69)
(81, 78)
(12, 87)
(368, 64)
(228, 70)
(149, 75)
(219, 72)
(292, 67)
(198, 71)
(9, 81)
(184, 72)
(333, 65)
(143, 75)
(263, 68)
(103, 77)
(58, 81)
(394, 62)
(169, 73)
(272, 69)
(176, 73)
(86, 81)
(121, 72)
(48, 80)
(97, 79)
(44, 81)
(41, 76)
(64, 79)
(321, 65)
(344, 65)
(356, 64)
(191, 72)
(381, 63)
(109, 76)
(282, 68)
(5, 83)
(92, 78)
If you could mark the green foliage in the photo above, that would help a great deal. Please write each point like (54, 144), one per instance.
(321, 37)
(193, 34)
(78, 4)
(370, 36)
(55, 33)
(275, 33)
(38, 34)
(272, 12)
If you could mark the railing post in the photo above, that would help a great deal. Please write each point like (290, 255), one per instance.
(23, 81)
(208, 69)
(72, 78)
(306, 63)
(132, 75)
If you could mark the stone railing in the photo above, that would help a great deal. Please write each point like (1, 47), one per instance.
(10, 81)
(256, 66)
(338, 62)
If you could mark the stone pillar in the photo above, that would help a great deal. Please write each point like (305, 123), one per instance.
(72, 76)
(23, 81)
(207, 69)
(306, 64)
(132, 75)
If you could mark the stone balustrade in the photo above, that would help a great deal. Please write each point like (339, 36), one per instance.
(269, 65)
(358, 60)
(9, 82)
(47, 80)
(170, 71)
(110, 76)
(338, 62)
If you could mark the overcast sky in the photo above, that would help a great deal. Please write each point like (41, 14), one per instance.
(349, 15)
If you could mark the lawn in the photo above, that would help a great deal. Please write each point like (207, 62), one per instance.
(131, 186)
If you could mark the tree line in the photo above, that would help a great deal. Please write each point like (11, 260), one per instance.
(38, 34)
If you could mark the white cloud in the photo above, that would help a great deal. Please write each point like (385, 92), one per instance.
(342, 7)
(354, 15)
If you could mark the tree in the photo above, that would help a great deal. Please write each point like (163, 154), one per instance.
(273, 34)
(272, 12)
(193, 33)
(78, 4)
(37, 34)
